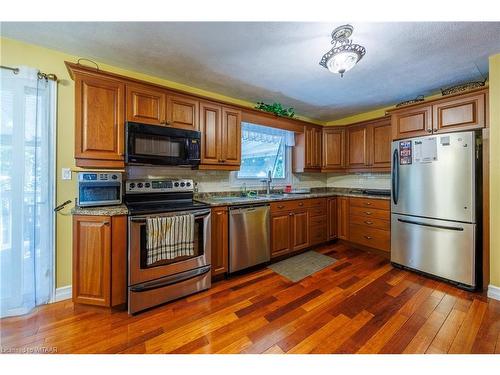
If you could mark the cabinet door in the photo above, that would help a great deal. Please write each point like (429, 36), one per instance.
(317, 147)
(219, 240)
(381, 136)
(333, 148)
(146, 104)
(231, 136)
(343, 218)
(332, 218)
(413, 122)
(300, 230)
(210, 127)
(182, 112)
(357, 147)
(309, 146)
(99, 113)
(280, 233)
(464, 113)
(91, 260)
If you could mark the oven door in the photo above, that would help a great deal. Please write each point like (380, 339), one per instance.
(141, 273)
(158, 145)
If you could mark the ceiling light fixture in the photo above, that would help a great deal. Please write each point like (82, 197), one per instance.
(344, 54)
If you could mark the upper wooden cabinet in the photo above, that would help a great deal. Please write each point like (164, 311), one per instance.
(357, 150)
(333, 148)
(99, 125)
(464, 113)
(183, 112)
(221, 136)
(448, 114)
(307, 152)
(380, 145)
(146, 104)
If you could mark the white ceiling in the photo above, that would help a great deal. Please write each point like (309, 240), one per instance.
(262, 61)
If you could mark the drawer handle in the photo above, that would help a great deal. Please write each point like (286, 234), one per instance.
(368, 237)
(368, 212)
(368, 222)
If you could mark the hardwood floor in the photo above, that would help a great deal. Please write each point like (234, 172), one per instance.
(360, 304)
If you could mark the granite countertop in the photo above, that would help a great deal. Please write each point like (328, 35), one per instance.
(117, 210)
(218, 199)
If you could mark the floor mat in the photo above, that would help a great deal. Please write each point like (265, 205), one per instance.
(300, 266)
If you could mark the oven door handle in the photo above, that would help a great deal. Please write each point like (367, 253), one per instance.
(197, 215)
(169, 280)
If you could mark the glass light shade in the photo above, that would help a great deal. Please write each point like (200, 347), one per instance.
(342, 62)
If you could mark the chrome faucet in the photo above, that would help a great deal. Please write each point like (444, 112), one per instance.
(268, 181)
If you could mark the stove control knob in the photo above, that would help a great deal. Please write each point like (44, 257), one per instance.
(188, 184)
(132, 185)
(176, 184)
(147, 184)
(183, 184)
(114, 177)
(139, 185)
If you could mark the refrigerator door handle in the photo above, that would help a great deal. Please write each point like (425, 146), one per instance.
(460, 229)
(395, 177)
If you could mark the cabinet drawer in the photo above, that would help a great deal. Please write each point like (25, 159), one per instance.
(287, 205)
(380, 204)
(371, 237)
(370, 222)
(317, 234)
(316, 203)
(321, 211)
(369, 213)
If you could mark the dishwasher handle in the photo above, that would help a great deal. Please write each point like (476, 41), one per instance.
(239, 210)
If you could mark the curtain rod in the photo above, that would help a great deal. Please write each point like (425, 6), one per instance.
(41, 75)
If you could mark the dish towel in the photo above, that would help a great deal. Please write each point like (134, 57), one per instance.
(169, 237)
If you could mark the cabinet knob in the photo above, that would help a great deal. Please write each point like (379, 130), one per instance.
(369, 222)
(280, 207)
(106, 223)
(429, 130)
(368, 212)
(368, 237)
(368, 203)
(301, 204)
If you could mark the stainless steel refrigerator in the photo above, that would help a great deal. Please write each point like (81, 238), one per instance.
(436, 206)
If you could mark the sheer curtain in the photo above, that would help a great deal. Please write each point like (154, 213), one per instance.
(27, 105)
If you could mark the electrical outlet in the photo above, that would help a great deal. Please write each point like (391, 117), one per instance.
(66, 173)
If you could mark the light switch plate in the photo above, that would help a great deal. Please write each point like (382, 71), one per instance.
(66, 173)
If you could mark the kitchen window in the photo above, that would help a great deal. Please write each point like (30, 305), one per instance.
(264, 149)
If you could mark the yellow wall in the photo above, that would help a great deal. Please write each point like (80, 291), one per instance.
(494, 78)
(14, 53)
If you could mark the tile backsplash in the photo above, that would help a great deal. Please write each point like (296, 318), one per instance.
(210, 181)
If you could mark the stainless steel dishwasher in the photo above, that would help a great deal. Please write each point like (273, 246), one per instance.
(249, 236)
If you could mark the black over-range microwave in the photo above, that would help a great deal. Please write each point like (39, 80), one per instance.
(161, 145)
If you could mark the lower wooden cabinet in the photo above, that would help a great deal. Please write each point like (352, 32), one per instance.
(281, 233)
(219, 251)
(99, 260)
(332, 218)
(300, 229)
(343, 218)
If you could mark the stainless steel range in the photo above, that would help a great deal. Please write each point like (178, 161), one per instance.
(164, 262)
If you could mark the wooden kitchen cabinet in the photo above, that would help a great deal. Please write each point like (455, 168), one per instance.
(99, 260)
(357, 147)
(380, 145)
(466, 112)
(333, 217)
(183, 112)
(146, 104)
(221, 136)
(99, 121)
(219, 255)
(333, 149)
(412, 122)
(281, 233)
(307, 152)
(343, 218)
(300, 229)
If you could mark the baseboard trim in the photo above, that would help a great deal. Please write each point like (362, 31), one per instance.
(62, 293)
(494, 292)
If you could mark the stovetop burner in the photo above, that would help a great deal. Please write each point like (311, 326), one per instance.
(155, 196)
